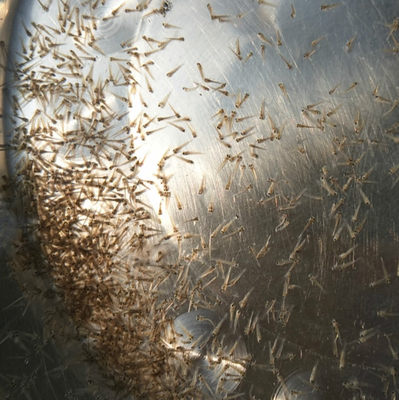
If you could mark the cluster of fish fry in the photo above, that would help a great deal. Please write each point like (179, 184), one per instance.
(79, 175)
(81, 114)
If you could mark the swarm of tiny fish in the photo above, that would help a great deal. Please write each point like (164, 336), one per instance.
(122, 276)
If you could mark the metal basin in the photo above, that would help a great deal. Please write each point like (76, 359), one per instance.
(234, 161)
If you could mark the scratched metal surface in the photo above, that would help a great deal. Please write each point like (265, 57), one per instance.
(234, 162)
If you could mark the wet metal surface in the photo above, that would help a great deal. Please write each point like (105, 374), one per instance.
(200, 165)
(216, 359)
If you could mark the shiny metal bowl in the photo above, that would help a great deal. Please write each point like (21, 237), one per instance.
(213, 187)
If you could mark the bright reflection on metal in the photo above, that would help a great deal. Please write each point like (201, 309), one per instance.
(215, 360)
(296, 386)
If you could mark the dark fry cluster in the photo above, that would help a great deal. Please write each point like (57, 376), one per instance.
(124, 274)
